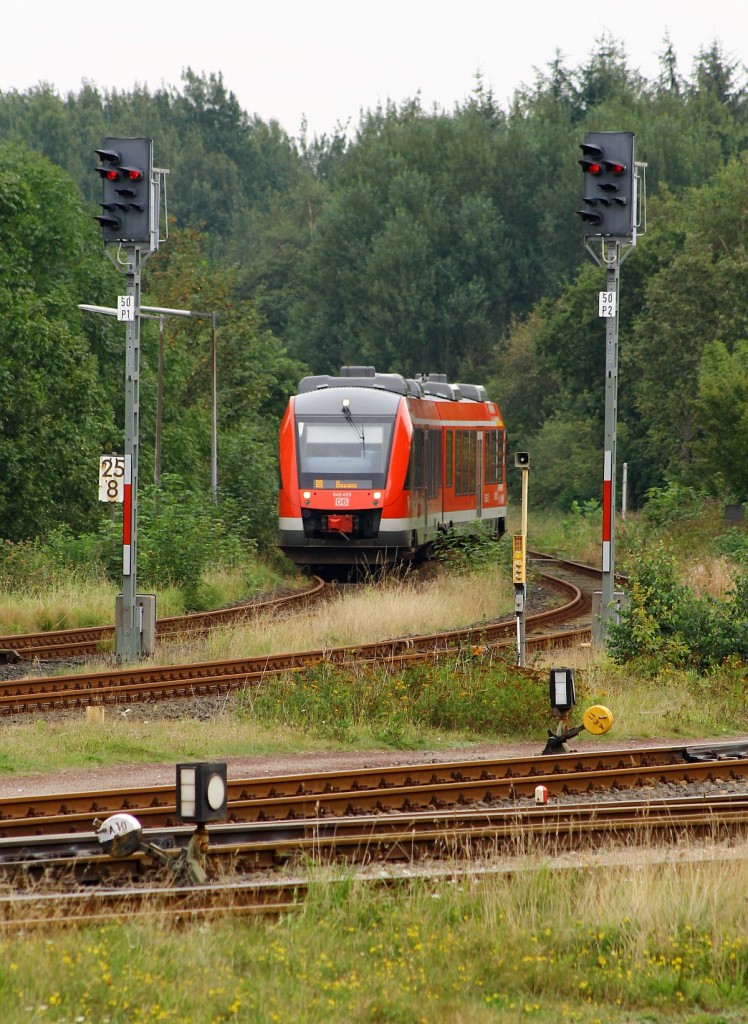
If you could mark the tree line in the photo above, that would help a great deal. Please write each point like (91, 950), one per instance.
(417, 240)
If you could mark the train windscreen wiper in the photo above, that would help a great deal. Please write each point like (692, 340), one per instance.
(349, 417)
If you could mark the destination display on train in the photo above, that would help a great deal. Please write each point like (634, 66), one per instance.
(349, 485)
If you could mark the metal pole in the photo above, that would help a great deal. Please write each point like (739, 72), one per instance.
(611, 417)
(624, 489)
(214, 417)
(159, 403)
(521, 638)
(129, 638)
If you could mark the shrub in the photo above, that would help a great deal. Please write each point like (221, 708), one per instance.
(666, 624)
(733, 544)
(666, 505)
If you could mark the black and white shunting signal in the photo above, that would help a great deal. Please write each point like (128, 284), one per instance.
(609, 197)
(126, 173)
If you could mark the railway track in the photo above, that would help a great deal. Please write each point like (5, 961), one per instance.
(352, 792)
(453, 811)
(455, 817)
(91, 640)
(208, 678)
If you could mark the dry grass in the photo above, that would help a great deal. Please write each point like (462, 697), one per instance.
(62, 607)
(366, 615)
(713, 577)
(630, 942)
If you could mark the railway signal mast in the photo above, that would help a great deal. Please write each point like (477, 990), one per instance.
(129, 221)
(611, 215)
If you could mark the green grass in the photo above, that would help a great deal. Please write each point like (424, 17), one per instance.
(453, 704)
(624, 945)
(76, 600)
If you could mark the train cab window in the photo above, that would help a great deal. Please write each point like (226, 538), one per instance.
(333, 452)
(415, 478)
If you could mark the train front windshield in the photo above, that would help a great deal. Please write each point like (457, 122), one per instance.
(336, 451)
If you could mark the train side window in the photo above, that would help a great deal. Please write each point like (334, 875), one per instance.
(448, 458)
(415, 477)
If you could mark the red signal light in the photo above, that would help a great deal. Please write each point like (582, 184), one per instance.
(591, 167)
(132, 173)
(614, 168)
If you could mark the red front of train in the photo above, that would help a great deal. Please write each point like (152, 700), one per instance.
(374, 466)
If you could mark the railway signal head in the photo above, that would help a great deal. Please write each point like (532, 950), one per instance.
(125, 170)
(201, 792)
(563, 697)
(609, 194)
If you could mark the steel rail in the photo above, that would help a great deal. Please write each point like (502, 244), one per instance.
(80, 690)
(87, 640)
(353, 791)
(460, 832)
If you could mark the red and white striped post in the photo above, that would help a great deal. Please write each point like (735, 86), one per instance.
(612, 256)
(127, 519)
(608, 510)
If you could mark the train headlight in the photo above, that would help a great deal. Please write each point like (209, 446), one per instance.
(307, 496)
(377, 497)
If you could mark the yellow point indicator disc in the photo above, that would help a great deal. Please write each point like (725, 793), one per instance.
(597, 719)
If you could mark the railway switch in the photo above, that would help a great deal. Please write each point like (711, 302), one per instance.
(596, 720)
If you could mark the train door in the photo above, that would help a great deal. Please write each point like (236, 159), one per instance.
(479, 474)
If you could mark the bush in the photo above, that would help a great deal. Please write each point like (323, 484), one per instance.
(181, 533)
(666, 505)
(470, 696)
(733, 544)
(666, 624)
(475, 551)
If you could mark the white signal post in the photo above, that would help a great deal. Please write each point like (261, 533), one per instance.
(614, 218)
(130, 221)
(519, 560)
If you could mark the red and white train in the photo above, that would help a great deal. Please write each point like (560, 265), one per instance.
(373, 466)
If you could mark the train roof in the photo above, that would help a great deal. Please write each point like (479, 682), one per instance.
(432, 385)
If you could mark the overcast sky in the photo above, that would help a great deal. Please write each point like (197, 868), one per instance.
(325, 60)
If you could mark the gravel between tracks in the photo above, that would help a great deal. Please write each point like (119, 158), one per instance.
(120, 776)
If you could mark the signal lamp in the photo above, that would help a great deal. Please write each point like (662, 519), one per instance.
(201, 792)
(126, 171)
(562, 693)
(609, 185)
